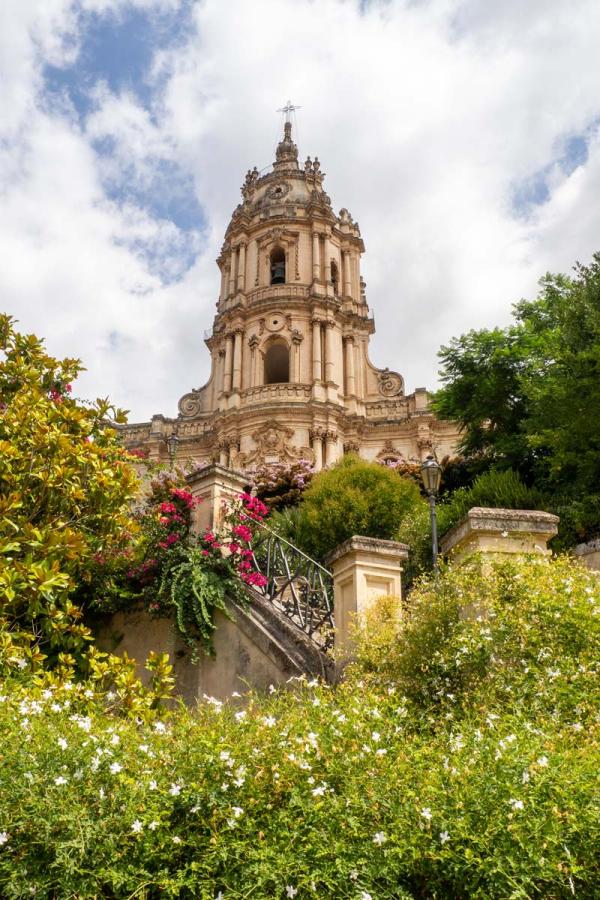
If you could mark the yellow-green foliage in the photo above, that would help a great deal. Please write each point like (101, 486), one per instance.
(353, 497)
(458, 760)
(65, 489)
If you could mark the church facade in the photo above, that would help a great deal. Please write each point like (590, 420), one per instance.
(291, 377)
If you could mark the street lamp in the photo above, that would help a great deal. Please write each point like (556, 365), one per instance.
(172, 442)
(431, 473)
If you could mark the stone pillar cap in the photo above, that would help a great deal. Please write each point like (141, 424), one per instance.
(370, 545)
(216, 469)
(513, 521)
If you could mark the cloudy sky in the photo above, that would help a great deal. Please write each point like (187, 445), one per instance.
(463, 135)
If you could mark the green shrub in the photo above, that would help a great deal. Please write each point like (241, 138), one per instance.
(353, 497)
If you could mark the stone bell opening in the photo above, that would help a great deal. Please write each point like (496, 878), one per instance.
(277, 363)
(278, 266)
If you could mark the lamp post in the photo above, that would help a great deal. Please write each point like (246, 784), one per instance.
(431, 473)
(172, 442)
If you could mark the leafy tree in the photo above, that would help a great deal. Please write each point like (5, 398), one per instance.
(528, 396)
(353, 497)
(65, 492)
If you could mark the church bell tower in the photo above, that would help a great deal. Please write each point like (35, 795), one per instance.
(291, 377)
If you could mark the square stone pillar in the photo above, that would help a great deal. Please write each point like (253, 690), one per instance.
(487, 535)
(213, 485)
(589, 554)
(363, 569)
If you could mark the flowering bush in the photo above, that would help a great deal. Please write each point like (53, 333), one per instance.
(65, 493)
(281, 485)
(460, 763)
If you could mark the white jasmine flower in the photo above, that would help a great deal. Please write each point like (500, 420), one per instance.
(381, 752)
(62, 743)
(542, 761)
(175, 790)
(272, 688)
(3, 837)
(269, 721)
(224, 755)
(375, 736)
(153, 826)
(176, 840)
(101, 793)
(444, 836)
(364, 895)
(290, 891)
(160, 727)
(115, 739)
(241, 715)
(525, 776)
(353, 875)
(516, 804)
(319, 790)
(144, 748)
(426, 813)
(60, 780)
(115, 768)
(237, 811)
(236, 694)
(137, 827)
(379, 838)
(152, 785)
(55, 707)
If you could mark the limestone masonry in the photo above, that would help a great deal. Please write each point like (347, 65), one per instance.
(291, 377)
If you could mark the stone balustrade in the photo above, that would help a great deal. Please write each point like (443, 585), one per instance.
(589, 554)
(265, 393)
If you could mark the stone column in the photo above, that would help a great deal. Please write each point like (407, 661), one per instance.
(297, 338)
(316, 439)
(253, 344)
(220, 375)
(237, 360)
(347, 276)
(227, 377)
(364, 569)
(350, 380)
(213, 484)
(329, 350)
(232, 271)
(326, 261)
(315, 257)
(358, 370)
(241, 277)
(317, 363)
(331, 445)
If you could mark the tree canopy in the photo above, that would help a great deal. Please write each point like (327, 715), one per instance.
(528, 395)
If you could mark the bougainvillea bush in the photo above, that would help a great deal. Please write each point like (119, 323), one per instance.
(459, 759)
(281, 485)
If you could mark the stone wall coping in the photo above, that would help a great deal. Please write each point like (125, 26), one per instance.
(359, 543)
(589, 547)
(215, 469)
(494, 520)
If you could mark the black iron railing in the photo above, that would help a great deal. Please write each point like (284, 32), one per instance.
(296, 585)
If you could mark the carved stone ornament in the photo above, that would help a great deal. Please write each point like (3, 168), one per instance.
(390, 383)
(190, 404)
(273, 446)
(389, 454)
(278, 191)
(275, 322)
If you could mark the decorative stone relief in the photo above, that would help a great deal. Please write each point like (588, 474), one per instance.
(389, 453)
(190, 404)
(390, 383)
(278, 191)
(273, 446)
(275, 322)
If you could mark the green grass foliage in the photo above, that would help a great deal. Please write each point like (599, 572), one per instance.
(459, 759)
(353, 497)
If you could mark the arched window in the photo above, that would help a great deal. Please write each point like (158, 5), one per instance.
(277, 363)
(278, 266)
(335, 277)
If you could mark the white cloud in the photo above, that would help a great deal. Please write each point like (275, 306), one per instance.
(425, 116)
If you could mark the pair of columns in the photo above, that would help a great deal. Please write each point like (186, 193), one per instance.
(316, 259)
(232, 373)
(237, 270)
(324, 370)
(324, 445)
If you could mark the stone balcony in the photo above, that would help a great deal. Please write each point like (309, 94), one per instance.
(267, 393)
(277, 292)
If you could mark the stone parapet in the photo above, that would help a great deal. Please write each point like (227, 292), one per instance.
(497, 533)
(589, 554)
(363, 569)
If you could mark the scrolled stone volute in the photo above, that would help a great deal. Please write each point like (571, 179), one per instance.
(190, 404)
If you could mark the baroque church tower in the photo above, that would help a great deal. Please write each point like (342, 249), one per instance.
(291, 377)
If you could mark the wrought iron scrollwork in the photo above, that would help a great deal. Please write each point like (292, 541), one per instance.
(297, 585)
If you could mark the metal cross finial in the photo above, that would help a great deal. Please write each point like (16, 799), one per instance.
(287, 109)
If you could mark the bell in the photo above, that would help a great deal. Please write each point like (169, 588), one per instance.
(278, 273)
